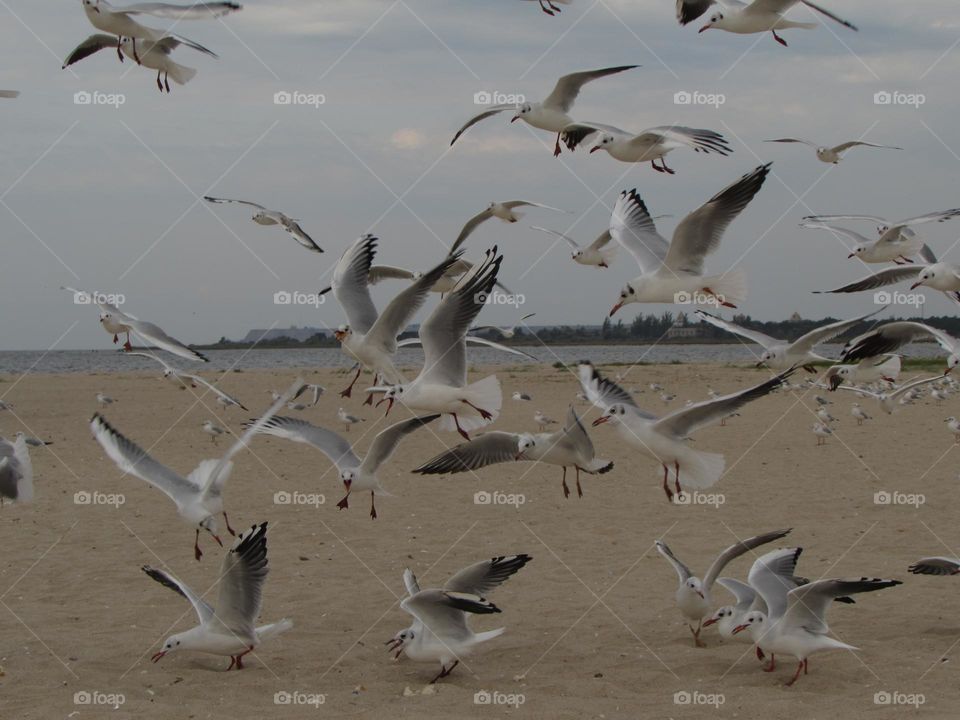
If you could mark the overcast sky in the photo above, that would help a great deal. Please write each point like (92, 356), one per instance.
(108, 198)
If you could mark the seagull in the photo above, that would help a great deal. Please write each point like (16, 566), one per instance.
(822, 432)
(859, 413)
(553, 113)
(199, 495)
(939, 395)
(648, 145)
(183, 380)
(154, 55)
(954, 426)
(507, 333)
(356, 474)
(782, 354)
(521, 396)
(674, 270)
(104, 400)
(5, 406)
(33, 441)
(265, 216)
(759, 16)
(117, 21)
(800, 629)
(833, 155)
(599, 253)
(892, 336)
(550, 6)
(502, 210)
(569, 447)
(442, 384)
(230, 629)
(727, 617)
(890, 247)
(882, 367)
(890, 230)
(822, 401)
(440, 631)
(693, 594)
(542, 420)
(114, 321)
(317, 390)
(665, 439)
(371, 338)
(213, 430)
(347, 419)
(825, 417)
(16, 470)
(296, 406)
(936, 566)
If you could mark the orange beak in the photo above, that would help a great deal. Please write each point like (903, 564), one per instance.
(710, 622)
(739, 628)
(615, 308)
(601, 420)
(156, 656)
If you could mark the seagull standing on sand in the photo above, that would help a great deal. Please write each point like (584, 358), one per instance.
(356, 474)
(440, 631)
(954, 426)
(521, 396)
(569, 447)
(230, 629)
(104, 400)
(265, 216)
(822, 432)
(16, 470)
(859, 413)
(213, 430)
(199, 495)
(553, 113)
(347, 419)
(693, 594)
(673, 271)
(542, 420)
(666, 439)
(442, 384)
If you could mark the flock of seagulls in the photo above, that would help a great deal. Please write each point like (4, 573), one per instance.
(775, 610)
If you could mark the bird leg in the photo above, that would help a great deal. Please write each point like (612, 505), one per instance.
(159, 84)
(239, 659)
(166, 81)
(696, 635)
(445, 671)
(376, 381)
(760, 655)
(666, 487)
(344, 504)
(463, 433)
(802, 665)
(135, 55)
(373, 508)
(653, 164)
(483, 413)
(579, 491)
(126, 345)
(119, 52)
(115, 339)
(773, 663)
(566, 490)
(227, 521)
(663, 163)
(197, 553)
(543, 7)
(778, 38)
(676, 465)
(346, 393)
(556, 148)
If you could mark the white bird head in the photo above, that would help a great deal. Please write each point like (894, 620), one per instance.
(347, 477)
(627, 295)
(752, 619)
(399, 641)
(767, 357)
(694, 585)
(522, 110)
(209, 523)
(602, 142)
(724, 612)
(180, 641)
(614, 414)
(716, 21)
(525, 443)
(929, 275)
(91, 5)
(857, 251)
(342, 333)
(952, 362)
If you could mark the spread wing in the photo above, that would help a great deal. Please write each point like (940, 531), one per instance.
(387, 440)
(482, 577)
(756, 336)
(568, 87)
(203, 610)
(489, 112)
(93, 44)
(488, 449)
(155, 335)
(242, 574)
(880, 279)
(194, 11)
(738, 549)
(632, 226)
(351, 284)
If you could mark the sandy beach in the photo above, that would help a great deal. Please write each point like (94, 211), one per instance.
(592, 627)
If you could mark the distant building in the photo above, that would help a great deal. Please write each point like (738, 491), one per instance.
(795, 317)
(299, 334)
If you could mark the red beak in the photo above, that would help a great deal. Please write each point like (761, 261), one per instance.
(593, 149)
(710, 622)
(947, 371)
(514, 118)
(615, 308)
(738, 628)
(915, 286)
(705, 27)
(601, 420)
(156, 656)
